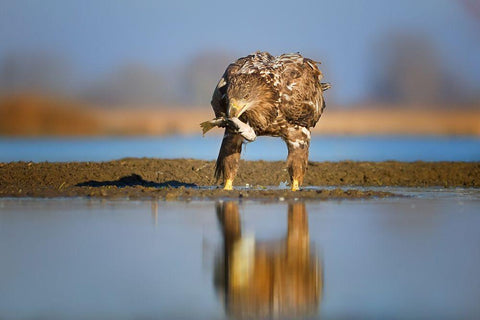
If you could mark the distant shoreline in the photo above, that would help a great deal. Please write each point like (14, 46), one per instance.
(187, 179)
(31, 116)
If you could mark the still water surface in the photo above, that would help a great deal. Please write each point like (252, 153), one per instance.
(400, 258)
(323, 148)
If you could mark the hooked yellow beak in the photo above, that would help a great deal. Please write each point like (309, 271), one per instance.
(236, 108)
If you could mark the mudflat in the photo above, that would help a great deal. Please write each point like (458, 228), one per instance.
(185, 179)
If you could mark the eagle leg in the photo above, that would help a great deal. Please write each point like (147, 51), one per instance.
(298, 142)
(229, 158)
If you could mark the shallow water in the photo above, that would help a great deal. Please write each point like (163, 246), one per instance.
(397, 258)
(323, 148)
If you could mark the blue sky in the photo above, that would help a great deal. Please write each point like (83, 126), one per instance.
(97, 36)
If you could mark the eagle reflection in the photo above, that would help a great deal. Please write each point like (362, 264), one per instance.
(268, 279)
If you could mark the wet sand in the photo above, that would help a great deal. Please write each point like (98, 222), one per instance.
(185, 179)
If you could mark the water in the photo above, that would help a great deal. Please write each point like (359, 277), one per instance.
(397, 258)
(323, 148)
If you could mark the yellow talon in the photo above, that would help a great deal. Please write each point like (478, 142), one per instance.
(228, 185)
(295, 185)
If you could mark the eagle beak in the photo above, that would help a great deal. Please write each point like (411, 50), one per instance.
(235, 109)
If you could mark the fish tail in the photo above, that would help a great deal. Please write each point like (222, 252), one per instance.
(207, 126)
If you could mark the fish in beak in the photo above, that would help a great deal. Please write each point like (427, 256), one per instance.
(235, 109)
(234, 123)
(243, 129)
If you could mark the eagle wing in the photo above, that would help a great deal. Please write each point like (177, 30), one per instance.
(301, 93)
(219, 98)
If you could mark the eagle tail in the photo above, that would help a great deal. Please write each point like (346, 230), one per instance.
(219, 167)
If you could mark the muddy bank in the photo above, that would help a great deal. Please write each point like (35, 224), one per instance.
(192, 179)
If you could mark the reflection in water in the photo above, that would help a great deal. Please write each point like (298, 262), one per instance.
(279, 278)
(155, 213)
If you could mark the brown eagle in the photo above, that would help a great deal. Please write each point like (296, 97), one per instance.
(261, 94)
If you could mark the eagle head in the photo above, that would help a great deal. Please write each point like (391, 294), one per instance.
(245, 92)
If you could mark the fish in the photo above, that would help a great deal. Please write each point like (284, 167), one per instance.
(233, 123)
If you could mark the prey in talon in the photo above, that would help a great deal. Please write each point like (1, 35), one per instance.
(265, 95)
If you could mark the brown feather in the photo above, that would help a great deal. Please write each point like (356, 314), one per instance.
(279, 96)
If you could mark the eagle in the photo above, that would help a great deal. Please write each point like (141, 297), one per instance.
(266, 95)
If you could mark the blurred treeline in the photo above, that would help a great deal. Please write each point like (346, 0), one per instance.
(188, 84)
(404, 69)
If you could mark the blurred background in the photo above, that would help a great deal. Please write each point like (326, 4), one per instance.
(149, 67)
